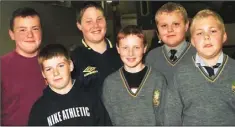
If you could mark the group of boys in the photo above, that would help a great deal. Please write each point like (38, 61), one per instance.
(178, 84)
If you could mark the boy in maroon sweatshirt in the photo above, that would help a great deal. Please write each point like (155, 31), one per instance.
(21, 79)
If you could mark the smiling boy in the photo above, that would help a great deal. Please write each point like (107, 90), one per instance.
(21, 79)
(92, 59)
(134, 95)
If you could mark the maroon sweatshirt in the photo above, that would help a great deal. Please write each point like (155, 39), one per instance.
(21, 85)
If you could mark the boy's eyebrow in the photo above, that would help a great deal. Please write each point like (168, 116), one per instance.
(20, 27)
(61, 63)
(202, 29)
(176, 21)
(198, 29)
(91, 18)
(88, 18)
(214, 27)
(23, 27)
(56, 64)
(46, 67)
(35, 26)
(100, 17)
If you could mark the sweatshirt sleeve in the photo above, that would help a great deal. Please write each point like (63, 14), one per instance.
(35, 117)
(174, 105)
(101, 115)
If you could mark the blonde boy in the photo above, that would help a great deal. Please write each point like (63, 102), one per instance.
(92, 58)
(63, 103)
(172, 24)
(204, 85)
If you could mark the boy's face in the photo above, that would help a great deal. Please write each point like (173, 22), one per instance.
(131, 50)
(208, 37)
(172, 28)
(27, 35)
(93, 25)
(57, 71)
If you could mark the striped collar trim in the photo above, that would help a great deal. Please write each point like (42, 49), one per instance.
(180, 48)
(220, 70)
(200, 62)
(179, 58)
(125, 83)
(107, 40)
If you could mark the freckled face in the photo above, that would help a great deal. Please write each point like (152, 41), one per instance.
(131, 50)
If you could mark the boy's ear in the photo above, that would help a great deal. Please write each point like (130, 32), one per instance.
(71, 65)
(43, 75)
(45, 79)
(225, 37)
(11, 34)
(158, 35)
(156, 32)
(186, 26)
(145, 48)
(192, 42)
(79, 26)
(118, 50)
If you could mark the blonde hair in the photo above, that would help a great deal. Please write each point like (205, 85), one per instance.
(205, 14)
(172, 7)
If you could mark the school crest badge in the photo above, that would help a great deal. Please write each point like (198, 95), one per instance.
(233, 87)
(156, 98)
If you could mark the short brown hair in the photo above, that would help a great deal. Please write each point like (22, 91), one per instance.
(131, 30)
(171, 7)
(87, 5)
(52, 50)
(22, 12)
(205, 14)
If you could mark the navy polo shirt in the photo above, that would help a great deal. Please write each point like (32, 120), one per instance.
(91, 67)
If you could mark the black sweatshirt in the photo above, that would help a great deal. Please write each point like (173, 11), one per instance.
(74, 108)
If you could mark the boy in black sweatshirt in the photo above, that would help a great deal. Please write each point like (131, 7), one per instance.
(63, 103)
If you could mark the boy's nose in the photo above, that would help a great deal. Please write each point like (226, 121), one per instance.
(169, 28)
(56, 72)
(130, 52)
(30, 34)
(95, 24)
(207, 37)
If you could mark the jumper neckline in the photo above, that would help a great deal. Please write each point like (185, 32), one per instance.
(126, 85)
(173, 63)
